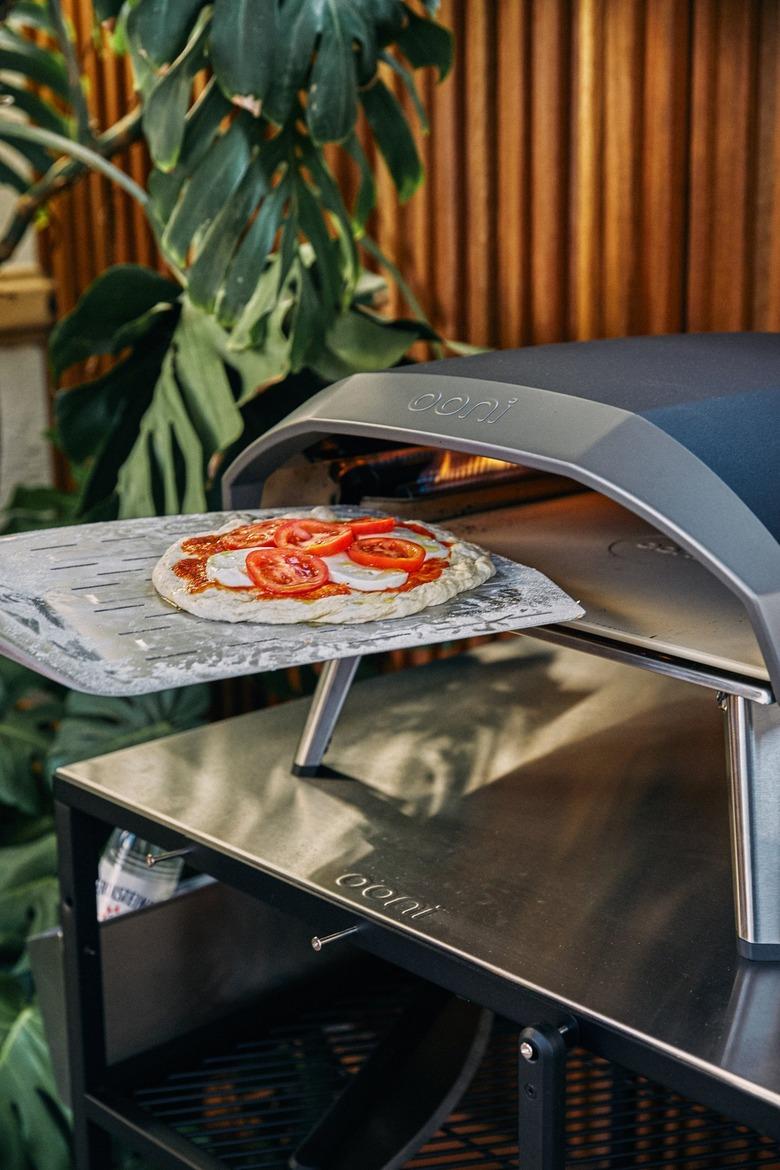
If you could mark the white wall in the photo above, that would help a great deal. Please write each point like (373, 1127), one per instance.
(25, 455)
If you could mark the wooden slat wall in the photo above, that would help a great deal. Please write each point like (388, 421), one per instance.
(595, 168)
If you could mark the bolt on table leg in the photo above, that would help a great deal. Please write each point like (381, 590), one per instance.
(542, 1098)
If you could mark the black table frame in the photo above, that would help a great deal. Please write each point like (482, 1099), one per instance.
(100, 1111)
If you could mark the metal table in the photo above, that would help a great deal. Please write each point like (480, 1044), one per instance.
(541, 832)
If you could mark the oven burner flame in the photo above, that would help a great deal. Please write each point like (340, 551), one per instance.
(450, 468)
(413, 472)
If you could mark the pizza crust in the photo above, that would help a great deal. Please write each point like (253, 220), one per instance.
(468, 567)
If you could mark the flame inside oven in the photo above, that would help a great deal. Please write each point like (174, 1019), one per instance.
(457, 468)
(412, 472)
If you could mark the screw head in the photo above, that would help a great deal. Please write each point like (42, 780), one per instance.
(527, 1051)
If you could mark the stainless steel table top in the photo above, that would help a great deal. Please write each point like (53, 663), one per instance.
(555, 819)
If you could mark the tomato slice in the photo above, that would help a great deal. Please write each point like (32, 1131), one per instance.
(251, 535)
(387, 552)
(314, 536)
(370, 524)
(285, 571)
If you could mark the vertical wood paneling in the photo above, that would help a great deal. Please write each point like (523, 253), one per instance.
(587, 196)
(723, 118)
(549, 167)
(511, 252)
(594, 167)
(765, 307)
(623, 72)
(477, 62)
(448, 226)
(664, 190)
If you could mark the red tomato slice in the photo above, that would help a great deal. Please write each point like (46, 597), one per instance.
(281, 570)
(314, 536)
(369, 524)
(387, 552)
(251, 535)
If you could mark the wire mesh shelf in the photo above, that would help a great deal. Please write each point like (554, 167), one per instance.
(250, 1103)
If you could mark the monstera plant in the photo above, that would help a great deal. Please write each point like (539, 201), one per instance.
(237, 100)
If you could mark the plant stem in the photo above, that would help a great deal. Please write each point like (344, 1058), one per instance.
(77, 97)
(77, 150)
(64, 173)
(374, 250)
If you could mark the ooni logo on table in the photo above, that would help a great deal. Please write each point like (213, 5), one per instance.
(389, 898)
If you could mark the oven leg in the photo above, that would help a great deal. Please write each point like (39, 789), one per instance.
(753, 735)
(80, 839)
(542, 1098)
(332, 689)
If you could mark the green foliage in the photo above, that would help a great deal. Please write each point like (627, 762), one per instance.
(116, 311)
(250, 218)
(23, 61)
(29, 895)
(38, 506)
(93, 725)
(42, 728)
(34, 1126)
(29, 711)
(151, 427)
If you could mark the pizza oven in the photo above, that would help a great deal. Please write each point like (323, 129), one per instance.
(639, 474)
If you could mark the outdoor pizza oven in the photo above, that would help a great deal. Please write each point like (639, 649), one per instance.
(639, 474)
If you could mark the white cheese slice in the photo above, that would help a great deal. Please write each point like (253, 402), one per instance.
(344, 571)
(431, 546)
(229, 568)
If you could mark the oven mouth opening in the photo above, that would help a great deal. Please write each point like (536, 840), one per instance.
(433, 483)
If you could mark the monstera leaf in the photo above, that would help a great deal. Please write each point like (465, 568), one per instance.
(93, 724)
(29, 894)
(28, 713)
(247, 213)
(241, 170)
(148, 432)
(42, 83)
(34, 1126)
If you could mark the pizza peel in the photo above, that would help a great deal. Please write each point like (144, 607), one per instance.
(77, 605)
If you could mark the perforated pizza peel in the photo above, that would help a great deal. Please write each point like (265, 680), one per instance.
(77, 604)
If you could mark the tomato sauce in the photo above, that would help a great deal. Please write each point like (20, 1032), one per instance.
(428, 571)
(202, 546)
(193, 571)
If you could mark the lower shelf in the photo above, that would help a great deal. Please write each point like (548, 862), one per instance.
(250, 1102)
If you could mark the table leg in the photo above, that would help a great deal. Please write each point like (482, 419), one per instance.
(542, 1098)
(328, 699)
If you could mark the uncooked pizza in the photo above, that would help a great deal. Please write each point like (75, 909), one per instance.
(316, 567)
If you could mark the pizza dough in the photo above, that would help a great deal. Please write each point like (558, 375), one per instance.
(466, 566)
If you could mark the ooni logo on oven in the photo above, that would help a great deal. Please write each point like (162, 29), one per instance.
(483, 410)
(385, 896)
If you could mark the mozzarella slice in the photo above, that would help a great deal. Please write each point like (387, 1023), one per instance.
(344, 571)
(431, 546)
(229, 568)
